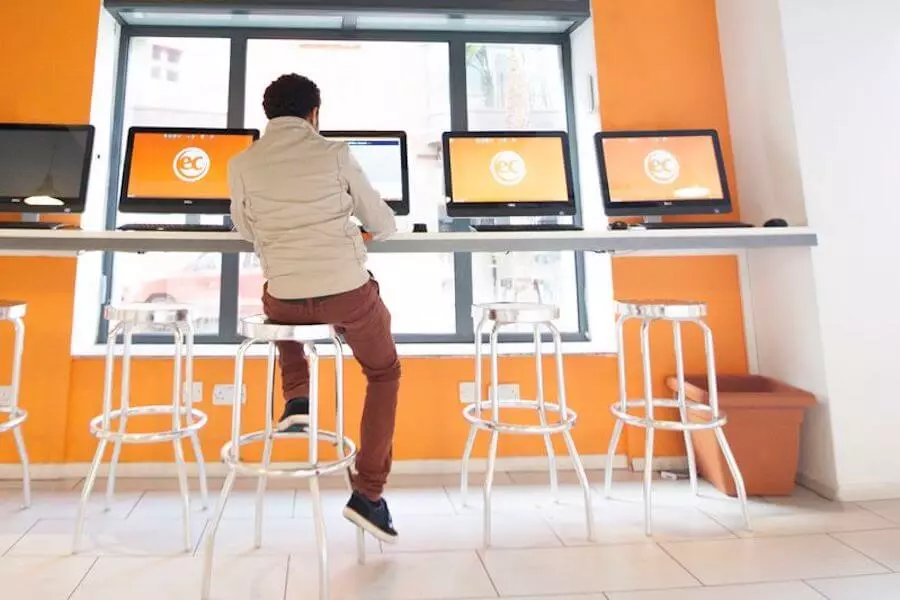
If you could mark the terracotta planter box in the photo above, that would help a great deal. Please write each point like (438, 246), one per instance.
(763, 429)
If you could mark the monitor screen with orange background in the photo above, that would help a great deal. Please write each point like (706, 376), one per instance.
(182, 165)
(664, 168)
(508, 169)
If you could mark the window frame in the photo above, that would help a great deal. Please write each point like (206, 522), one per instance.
(458, 80)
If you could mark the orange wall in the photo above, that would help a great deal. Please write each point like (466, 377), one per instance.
(658, 67)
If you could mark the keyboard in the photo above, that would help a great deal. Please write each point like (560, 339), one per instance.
(698, 225)
(42, 225)
(194, 228)
(525, 228)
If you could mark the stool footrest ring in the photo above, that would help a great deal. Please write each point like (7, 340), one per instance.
(17, 416)
(636, 421)
(99, 432)
(304, 472)
(566, 422)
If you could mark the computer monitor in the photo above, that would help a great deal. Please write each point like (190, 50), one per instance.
(508, 174)
(180, 170)
(383, 158)
(44, 168)
(662, 172)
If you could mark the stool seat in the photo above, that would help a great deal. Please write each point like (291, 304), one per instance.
(509, 313)
(148, 313)
(661, 309)
(12, 309)
(262, 329)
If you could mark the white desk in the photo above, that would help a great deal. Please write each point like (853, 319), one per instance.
(53, 243)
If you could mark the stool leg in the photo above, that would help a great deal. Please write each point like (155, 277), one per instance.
(473, 430)
(124, 405)
(567, 434)
(648, 446)
(495, 436)
(180, 463)
(713, 388)
(542, 413)
(213, 530)
(682, 407)
(623, 405)
(189, 414)
(267, 447)
(18, 351)
(101, 444)
(321, 538)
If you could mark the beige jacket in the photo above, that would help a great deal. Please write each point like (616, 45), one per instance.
(292, 195)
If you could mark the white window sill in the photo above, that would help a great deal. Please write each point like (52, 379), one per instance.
(404, 350)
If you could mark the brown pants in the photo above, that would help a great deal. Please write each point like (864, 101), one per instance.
(364, 321)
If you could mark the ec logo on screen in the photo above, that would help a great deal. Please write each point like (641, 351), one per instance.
(508, 168)
(191, 165)
(662, 167)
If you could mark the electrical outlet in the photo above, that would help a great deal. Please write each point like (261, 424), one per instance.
(509, 392)
(197, 394)
(467, 392)
(6, 393)
(223, 394)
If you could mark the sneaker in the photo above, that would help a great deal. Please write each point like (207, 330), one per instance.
(373, 517)
(295, 418)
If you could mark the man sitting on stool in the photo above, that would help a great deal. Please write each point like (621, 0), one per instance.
(292, 194)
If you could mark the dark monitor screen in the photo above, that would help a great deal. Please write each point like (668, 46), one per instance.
(44, 168)
(180, 170)
(508, 174)
(662, 172)
(383, 158)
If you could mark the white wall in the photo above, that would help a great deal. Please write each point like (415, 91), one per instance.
(813, 90)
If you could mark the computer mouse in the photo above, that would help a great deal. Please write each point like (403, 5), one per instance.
(618, 226)
(775, 223)
(420, 228)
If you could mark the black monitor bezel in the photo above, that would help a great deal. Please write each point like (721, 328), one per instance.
(663, 207)
(205, 206)
(9, 204)
(402, 207)
(509, 209)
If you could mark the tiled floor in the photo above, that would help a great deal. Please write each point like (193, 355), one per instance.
(802, 548)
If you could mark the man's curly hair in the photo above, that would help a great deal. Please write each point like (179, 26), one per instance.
(291, 95)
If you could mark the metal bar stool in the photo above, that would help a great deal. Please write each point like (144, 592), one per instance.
(127, 319)
(259, 329)
(14, 312)
(676, 312)
(539, 316)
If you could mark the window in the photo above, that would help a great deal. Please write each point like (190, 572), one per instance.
(366, 84)
(378, 86)
(520, 87)
(199, 99)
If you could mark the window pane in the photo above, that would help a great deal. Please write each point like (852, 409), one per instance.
(379, 86)
(177, 82)
(513, 87)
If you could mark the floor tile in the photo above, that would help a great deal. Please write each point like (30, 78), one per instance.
(42, 578)
(795, 590)
(13, 528)
(584, 570)
(620, 522)
(284, 536)
(887, 509)
(883, 546)
(520, 498)
(247, 578)
(64, 504)
(403, 502)
(241, 505)
(761, 560)
(420, 576)
(448, 480)
(458, 532)
(160, 537)
(566, 477)
(869, 587)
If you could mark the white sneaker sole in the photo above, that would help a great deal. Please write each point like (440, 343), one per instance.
(355, 518)
(293, 420)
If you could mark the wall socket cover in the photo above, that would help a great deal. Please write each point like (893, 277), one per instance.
(197, 396)
(223, 394)
(6, 395)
